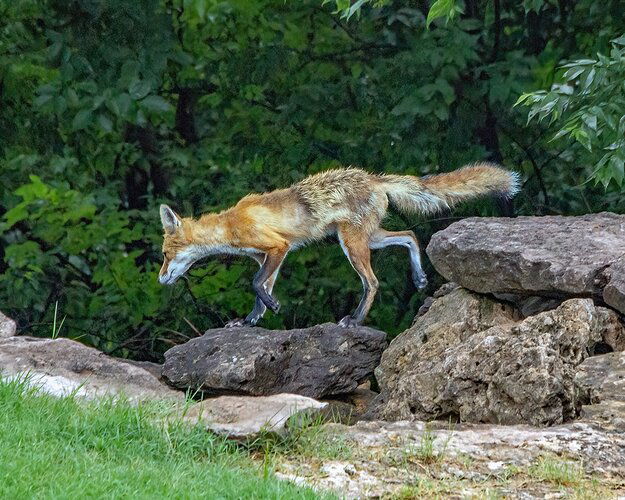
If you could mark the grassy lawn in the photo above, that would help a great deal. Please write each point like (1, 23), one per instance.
(61, 448)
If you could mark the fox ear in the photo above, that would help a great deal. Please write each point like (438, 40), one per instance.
(171, 222)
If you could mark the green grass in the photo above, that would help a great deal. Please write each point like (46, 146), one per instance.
(557, 471)
(307, 438)
(63, 448)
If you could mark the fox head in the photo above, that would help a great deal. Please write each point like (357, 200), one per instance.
(179, 253)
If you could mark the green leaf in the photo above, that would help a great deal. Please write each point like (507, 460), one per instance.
(573, 73)
(533, 5)
(522, 98)
(120, 105)
(138, 89)
(41, 100)
(155, 104)
(588, 79)
(618, 169)
(583, 138)
(201, 6)
(590, 120)
(82, 119)
(16, 214)
(620, 40)
(105, 122)
(440, 8)
(353, 9)
(409, 104)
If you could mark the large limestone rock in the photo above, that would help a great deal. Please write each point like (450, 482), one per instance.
(535, 255)
(320, 361)
(467, 359)
(62, 366)
(7, 326)
(247, 417)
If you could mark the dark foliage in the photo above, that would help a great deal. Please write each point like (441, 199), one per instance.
(110, 107)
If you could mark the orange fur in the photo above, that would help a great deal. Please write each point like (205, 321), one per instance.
(349, 203)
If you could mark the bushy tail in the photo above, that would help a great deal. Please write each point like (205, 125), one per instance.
(433, 193)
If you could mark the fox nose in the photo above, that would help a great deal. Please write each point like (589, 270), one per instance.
(162, 279)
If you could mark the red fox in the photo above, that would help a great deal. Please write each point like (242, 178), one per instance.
(349, 203)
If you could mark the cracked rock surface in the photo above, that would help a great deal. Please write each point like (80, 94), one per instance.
(467, 359)
(550, 256)
(320, 361)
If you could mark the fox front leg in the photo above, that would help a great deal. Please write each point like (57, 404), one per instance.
(259, 309)
(272, 263)
(259, 306)
(252, 318)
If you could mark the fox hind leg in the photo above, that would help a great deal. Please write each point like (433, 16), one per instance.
(356, 247)
(382, 238)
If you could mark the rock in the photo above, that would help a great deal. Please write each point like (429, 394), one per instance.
(602, 378)
(445, 289)
(519, 445)
(320, 361)
(339, 412)
(614, 290)
(600, 384)
(7, 326)
(466, 359)
(247, 417)
(350, 408)
(529, 306)
(154, 368)
(608, 414)
(534, 255)
(425, 307)
(436, 460)
(361, 399)
(62, 366)
(450, 320)
(613, 334)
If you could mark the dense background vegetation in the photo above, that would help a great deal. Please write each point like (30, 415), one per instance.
(110, 107)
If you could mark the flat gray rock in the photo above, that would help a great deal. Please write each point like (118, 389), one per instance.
(62, 366)
(247, 417)
(320, 361)
(7, 326)
(467, 460)
(535, 255)
(520, 445)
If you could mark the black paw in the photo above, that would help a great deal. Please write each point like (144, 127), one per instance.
(348, 322)
(235, 323)
(271, 303)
